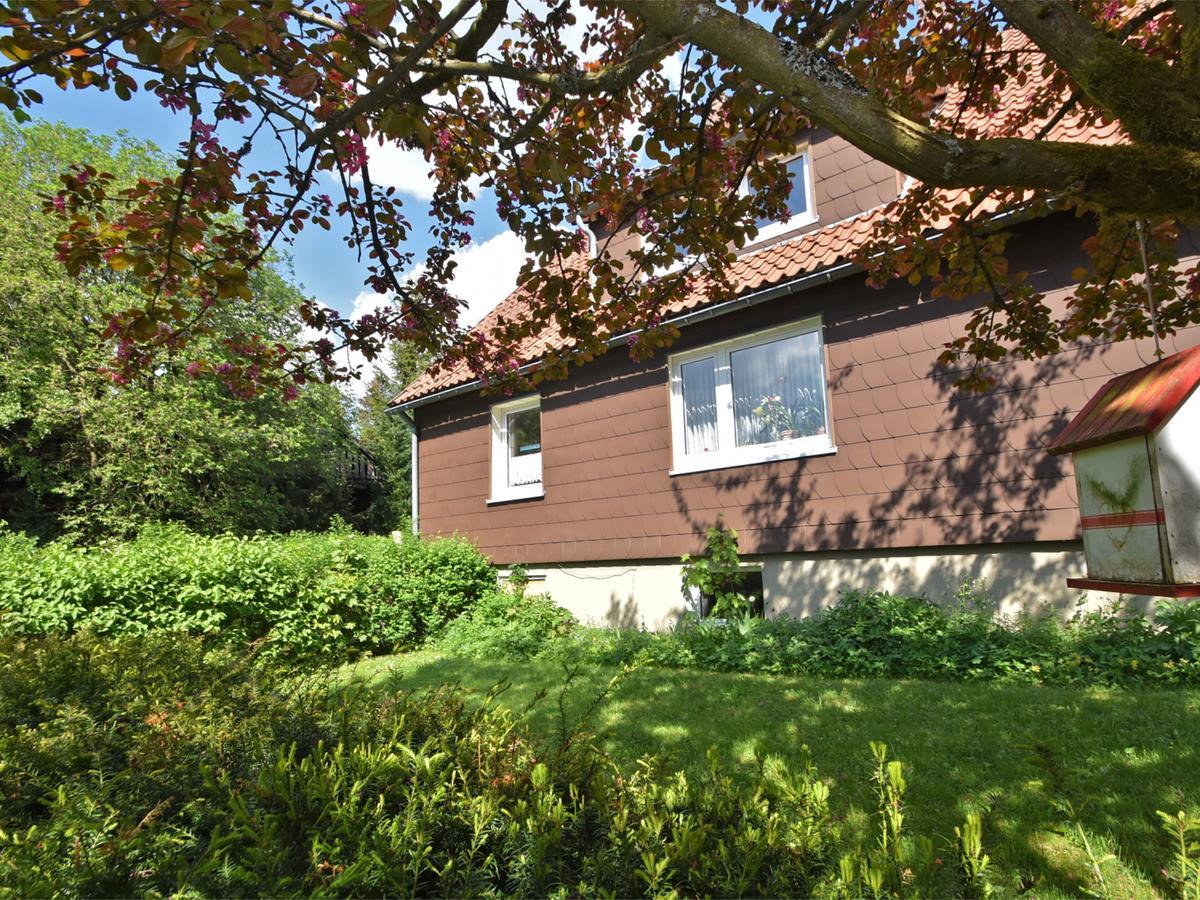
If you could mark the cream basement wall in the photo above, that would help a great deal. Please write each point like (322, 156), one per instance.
(1021, 577)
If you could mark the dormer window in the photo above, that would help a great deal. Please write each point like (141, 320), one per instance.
(801, 207)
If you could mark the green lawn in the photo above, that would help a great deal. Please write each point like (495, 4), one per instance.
(1118, 755)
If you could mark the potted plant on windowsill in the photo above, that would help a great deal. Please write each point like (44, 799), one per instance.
(804, 418)
(777, 419)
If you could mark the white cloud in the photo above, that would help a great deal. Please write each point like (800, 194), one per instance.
(408, 171)
(487, 273)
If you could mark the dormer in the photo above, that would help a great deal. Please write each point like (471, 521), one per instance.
(832, 180)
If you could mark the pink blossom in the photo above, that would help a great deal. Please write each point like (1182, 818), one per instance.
(59, 203)
(193, 369)
(356, 154)
(291, 393)
(203, 134)
(443, 138)
(223, 368)
(173, 101)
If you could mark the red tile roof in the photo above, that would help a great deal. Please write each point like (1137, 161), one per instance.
(1133, 404)
(805, 254)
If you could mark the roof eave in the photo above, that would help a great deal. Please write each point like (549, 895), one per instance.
(812, 279)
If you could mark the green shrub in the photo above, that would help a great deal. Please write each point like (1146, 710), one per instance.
(160, 764)
(301, 594)
(507, 624)
(156, 765)
(718, 577)
(878, 635)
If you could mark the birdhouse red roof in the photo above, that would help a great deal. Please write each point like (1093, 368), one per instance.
(1133, 404)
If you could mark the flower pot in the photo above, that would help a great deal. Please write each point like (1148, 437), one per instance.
(789, 434)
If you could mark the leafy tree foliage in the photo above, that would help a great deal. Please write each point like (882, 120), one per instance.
(78, 454)
(388, 438)
(536, 105)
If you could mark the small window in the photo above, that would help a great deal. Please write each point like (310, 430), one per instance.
(801, 210)
(517, 450)
(754, 399)
(749, 585)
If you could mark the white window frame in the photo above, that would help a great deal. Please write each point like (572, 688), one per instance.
(502, 492)
(671, 268)
(729, 454)
(777, 230)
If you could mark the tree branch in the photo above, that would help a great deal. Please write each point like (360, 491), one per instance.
(1117, 77)
(384, 91)
(1157, 180)
(844, 18)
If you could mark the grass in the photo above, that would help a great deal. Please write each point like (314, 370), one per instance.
(1016, 751)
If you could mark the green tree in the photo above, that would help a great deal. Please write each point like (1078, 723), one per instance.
(387, 436)
(78, 453)
(537, 105)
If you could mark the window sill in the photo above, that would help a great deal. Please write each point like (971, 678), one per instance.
(719, 461)
(536, 493)
(777, 234)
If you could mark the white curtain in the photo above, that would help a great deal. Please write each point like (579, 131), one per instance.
(524, 438)
(525, 469)
(699, 406)
(778, 390)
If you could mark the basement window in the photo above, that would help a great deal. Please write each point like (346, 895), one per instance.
(517, 450)
(750, 585)
(754, 399)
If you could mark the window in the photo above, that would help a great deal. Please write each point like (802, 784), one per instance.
(800, 206)
(517, 450)
(749, 584)
(754, 399)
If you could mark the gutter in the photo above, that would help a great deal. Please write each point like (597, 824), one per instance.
(825, 276)
(754, 298)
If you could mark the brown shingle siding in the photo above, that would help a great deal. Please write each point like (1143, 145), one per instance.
(917, 465)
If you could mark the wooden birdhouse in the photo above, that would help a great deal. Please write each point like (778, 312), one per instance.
(1136, 447)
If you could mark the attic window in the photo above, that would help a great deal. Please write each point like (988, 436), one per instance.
(754, 399)
(800, 206)
(517, 450)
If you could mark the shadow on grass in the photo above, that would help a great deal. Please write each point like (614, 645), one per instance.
(1117, 755)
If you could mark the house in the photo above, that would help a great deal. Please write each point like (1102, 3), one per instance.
(809, 410)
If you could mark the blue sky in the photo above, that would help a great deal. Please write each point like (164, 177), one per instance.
(324, 265)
